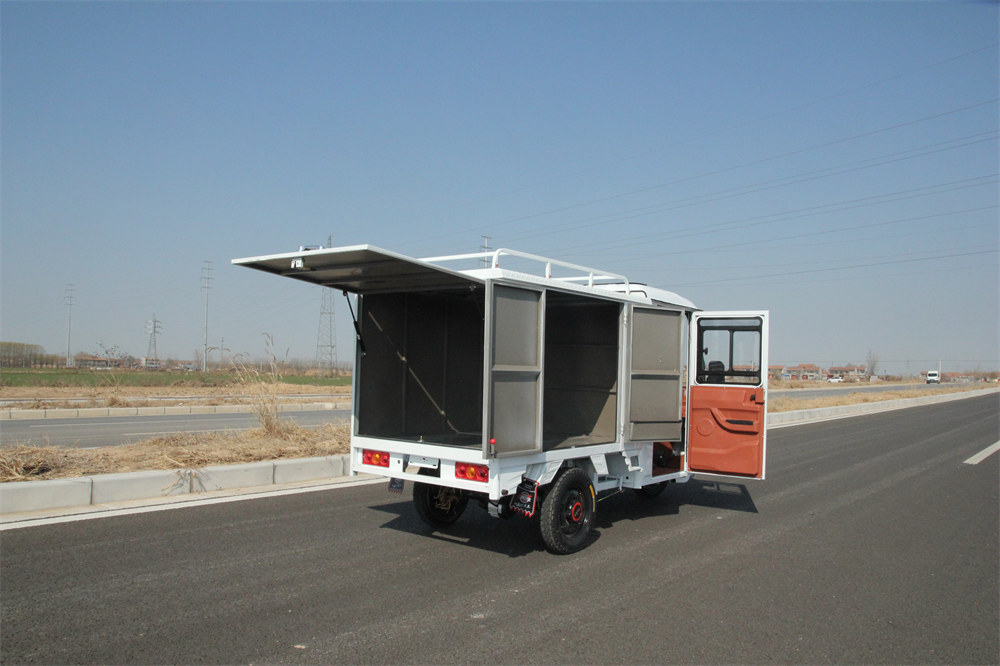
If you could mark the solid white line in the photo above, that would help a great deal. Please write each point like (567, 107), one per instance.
(138, 420)
(983, 455)
(172, 432)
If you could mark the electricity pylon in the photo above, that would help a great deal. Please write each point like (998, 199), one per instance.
(326, 339)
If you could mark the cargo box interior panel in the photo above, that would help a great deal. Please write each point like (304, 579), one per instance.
(580, 371)
(421, 376)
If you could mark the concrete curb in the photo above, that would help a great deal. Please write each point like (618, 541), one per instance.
(81, 412)
(28, 496)
(20, 497)
(801, 416)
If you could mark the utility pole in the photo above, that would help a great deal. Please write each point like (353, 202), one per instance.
(206, 284)
(68, 300)
(154, 328)
(485, 247)
(326, 338)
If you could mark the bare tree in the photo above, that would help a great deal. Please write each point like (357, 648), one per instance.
(871, 364)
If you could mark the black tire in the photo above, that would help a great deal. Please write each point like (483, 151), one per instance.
(438, 506)
(652, 490)
(567, 515)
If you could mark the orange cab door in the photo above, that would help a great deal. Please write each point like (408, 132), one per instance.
(727, 385)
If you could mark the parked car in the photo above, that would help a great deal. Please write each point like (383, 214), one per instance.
(836, 380)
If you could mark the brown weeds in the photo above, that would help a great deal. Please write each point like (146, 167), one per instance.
(787, 403)
(181, 451)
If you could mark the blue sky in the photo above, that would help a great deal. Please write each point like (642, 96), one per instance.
(835, 163)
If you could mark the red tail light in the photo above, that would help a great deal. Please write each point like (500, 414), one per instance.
(377, 458)
(470, 472)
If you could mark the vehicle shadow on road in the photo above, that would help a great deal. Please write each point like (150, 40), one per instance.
(696, 492)
(519, 537)
(515, 537)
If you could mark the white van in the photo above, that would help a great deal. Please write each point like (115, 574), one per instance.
(933, 377)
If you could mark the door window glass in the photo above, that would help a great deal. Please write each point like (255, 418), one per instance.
(729, 351)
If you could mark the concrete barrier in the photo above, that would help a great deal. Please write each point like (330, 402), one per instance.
(122, 411)
(61, 413)
(227, 477)
(842, 411)
(39, 495)
(26, 496)
(309, 469)
(139, 485)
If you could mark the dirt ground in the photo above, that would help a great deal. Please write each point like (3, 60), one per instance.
(181, 451)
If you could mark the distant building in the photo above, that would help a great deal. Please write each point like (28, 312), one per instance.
(852, 372)
(90, 361)
(803, 371)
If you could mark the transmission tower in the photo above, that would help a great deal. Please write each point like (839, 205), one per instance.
(206, 284)
(68, 300)
(485, 247)
(153, 328)
(326, 339)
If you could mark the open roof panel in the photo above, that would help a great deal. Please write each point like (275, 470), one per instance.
(360, 269)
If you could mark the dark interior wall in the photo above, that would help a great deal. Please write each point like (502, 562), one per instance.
(422, 375)
(381, 373)
(581, 370)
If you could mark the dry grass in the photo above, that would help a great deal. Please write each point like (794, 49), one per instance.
(276, 439)
(787, 404)
(182, 451)
(279, 439)
(61, 397)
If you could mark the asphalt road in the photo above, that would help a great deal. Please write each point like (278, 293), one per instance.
(115, 430)
(871, 541)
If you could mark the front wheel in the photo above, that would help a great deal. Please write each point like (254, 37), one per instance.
(567, 515)
(436, 505)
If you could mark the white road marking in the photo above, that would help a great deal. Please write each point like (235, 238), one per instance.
(983, 455)
(138, 421)
(172, 432)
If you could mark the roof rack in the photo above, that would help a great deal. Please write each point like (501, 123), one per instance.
(590, 277)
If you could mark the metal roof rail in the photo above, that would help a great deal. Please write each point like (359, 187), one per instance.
(590, 275)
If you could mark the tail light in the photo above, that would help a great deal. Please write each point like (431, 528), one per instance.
(377, 458)
(470, 472)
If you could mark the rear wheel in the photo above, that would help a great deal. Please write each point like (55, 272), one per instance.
(567, 515)
(436, 505)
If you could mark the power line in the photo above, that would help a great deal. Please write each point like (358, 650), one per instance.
(839, 268)
(823, 232)
(763, 186)
(743, 165)
(732, 127)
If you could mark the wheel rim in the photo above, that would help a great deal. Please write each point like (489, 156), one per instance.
(443, 502)
(575, 513)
